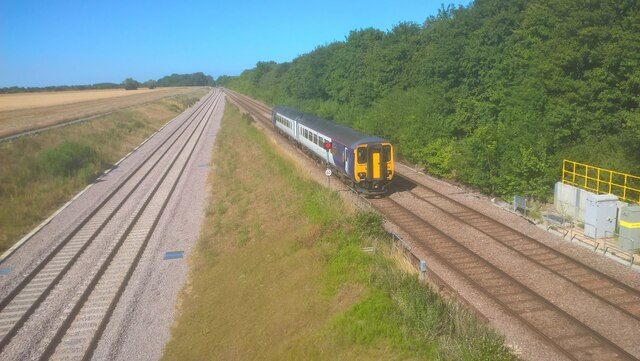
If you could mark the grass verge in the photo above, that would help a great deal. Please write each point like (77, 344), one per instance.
(40, 173)
(279, 274)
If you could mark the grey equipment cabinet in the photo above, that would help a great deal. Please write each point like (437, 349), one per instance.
(600, 215)
(630, 227)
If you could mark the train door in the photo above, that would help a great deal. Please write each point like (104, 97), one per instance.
(345, 156)
(377, 168)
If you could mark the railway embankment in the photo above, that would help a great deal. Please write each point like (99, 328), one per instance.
(285, 269)
(40, 173)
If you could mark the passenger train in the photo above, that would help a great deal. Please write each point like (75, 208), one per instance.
(364, 161)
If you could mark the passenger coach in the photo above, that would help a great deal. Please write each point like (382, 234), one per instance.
(362, 160)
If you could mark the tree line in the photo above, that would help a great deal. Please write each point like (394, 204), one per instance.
(495, 94)
(195, 79)
(16, 89)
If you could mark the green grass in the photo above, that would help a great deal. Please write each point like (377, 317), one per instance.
(40, 173)
(279, 274)
(68, 159)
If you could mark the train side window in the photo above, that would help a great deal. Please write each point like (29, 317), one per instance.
(386, 153)
(315, 138)
(362, 155)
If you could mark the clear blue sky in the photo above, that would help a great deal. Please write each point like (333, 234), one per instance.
(83, 42)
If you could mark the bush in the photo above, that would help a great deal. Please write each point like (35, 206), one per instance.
(67, 159)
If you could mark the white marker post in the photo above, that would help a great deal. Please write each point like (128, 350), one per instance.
(423, 271)
(327, 172)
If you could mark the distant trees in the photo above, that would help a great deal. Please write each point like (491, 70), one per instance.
(15, 89)
(151, 84)
(494, 95)
(195, 79)
(130, 84)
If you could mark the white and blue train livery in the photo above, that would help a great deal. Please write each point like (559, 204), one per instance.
(362, 160)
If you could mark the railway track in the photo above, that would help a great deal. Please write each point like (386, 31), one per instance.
(567, 334)
(67, 298)
(597, 284)
(555, 326)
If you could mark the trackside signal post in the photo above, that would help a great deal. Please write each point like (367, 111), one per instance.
(327, 172)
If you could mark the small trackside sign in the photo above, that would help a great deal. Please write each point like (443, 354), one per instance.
(174, 255)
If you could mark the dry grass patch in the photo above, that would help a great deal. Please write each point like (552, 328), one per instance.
(257, 278)
(39, 173)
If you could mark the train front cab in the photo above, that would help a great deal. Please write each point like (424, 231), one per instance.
(373, 167)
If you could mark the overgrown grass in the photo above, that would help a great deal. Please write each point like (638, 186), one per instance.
(39, 173)
(68, 159)
(279, 274)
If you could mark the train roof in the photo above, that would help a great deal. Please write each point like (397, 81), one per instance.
(340, 133)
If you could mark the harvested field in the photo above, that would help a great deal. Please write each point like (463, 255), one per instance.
(46, 99)
(28, 111)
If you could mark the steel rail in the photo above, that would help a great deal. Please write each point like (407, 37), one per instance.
(43, 263)
(257, 108)
(385, 205)
(594, 275)
(60, 333)
(155, 134)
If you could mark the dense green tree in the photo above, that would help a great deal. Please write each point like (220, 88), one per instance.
(151, 84)
(496, 94)
(195, 79)
(130, 84)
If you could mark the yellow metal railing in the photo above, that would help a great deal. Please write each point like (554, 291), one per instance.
(600, 180)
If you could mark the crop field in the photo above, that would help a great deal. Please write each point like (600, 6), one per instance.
(29, 111)
(45, 99)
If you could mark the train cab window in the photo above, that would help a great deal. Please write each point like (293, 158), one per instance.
(362, 155)
(386, 153)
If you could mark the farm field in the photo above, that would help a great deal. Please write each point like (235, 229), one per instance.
(28, 111)
(45, 99)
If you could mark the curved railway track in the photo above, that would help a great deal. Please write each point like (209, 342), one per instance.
(567, 334)
(102, 252)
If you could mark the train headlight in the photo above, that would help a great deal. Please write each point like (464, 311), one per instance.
(362, 175)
